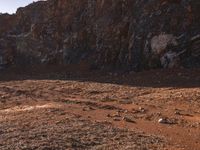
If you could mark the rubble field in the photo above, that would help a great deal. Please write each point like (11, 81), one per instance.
(141, 111)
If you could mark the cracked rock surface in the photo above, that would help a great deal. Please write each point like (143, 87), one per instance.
(120, 34)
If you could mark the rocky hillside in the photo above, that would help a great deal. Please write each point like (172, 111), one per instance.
(117, 34)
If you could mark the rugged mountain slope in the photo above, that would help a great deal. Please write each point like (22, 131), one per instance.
(119, 34)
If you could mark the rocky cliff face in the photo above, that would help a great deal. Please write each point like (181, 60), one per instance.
(118, 34)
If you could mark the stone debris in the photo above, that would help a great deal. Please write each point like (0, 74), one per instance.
(166, 121)
(163, 121)
(117, 119)
(128, 119)
(70, 132)
(49, 111)
(116, 115)
(169, 60)
(142, 110)
(126, 101)
(88, 108)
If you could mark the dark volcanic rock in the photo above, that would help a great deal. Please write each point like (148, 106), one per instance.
(120, 34)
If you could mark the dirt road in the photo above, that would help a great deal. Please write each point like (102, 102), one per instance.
(140, 111)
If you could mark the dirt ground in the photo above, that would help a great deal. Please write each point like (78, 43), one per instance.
(149, 110)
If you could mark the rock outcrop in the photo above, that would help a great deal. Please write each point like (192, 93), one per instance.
(118, 34)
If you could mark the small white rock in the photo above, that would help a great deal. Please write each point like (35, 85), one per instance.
(162, 120)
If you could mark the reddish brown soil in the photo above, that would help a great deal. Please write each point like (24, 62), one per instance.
(100, 111)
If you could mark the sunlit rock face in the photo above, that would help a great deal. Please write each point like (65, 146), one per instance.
(115, 34)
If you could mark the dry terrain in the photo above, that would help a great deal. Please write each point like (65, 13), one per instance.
(137, 111)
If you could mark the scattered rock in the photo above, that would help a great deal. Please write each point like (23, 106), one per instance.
(117, 114)
(126, 101)
(127, 119)
(142, 110)
(169, 60)
(88, 108)
(163, 121)
(177, 113)
(116, 119)
(139, 110)
(126, 111)
(166, 121)
(3, 97)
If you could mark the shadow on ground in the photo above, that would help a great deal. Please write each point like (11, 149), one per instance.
(178, 78)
